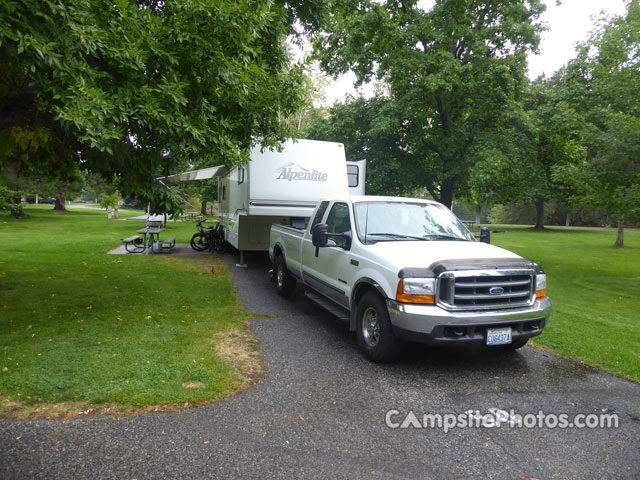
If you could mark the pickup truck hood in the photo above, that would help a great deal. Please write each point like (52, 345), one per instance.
(409, 254)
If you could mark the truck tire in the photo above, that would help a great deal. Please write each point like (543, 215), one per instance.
(373, 329)
(285, 282)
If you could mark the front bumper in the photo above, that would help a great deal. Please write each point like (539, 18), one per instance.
(434, 325)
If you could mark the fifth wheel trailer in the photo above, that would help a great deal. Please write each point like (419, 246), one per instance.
(280, 187)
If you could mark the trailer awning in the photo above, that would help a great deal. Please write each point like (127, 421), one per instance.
(202, 174)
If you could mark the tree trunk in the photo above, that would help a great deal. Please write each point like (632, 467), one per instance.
(203, 208)
(540, 214)
(446, 194)
(478, 214)
(568, 222)
(620, 237)
(60, 201)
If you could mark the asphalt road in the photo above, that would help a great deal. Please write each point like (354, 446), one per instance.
(320, 413)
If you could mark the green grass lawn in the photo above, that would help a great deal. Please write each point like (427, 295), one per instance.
(78, 325)
(595, 290)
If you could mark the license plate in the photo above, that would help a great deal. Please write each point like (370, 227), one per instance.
(498, 336)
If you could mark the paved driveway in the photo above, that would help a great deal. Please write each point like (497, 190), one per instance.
(320, 413)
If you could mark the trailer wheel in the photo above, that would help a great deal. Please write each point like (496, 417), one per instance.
(373, 330)
(285, 282)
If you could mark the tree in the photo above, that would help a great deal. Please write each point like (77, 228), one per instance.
(207, 191)
(111, 200)
(519, 161)
(369, 130)
(94, 186)
(59, 189)
(604, 81)
(130, 89)
(451, 72)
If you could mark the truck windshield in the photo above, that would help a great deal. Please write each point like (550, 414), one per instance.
(405, 221)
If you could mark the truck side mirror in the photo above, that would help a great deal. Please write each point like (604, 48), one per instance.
(319, 236)
(485, 235)
(347, 240)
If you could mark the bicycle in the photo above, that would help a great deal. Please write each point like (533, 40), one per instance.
(211, 238)
(216, 240)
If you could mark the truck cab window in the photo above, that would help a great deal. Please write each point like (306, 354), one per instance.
(338, 220)
(319, 214)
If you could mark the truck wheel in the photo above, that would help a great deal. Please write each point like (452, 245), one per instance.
(373, 329)
(285, 282)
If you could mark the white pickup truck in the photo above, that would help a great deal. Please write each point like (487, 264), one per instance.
(407, 269)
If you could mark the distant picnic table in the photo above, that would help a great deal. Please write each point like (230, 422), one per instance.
(470, 224)
(189, 217)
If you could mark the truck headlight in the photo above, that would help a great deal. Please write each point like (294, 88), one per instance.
(541, 285)
(416, 290)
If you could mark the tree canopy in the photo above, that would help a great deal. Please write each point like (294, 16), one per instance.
(451, 71)
(369, 131)
(542, 136)
(134, 89)
(602, 82)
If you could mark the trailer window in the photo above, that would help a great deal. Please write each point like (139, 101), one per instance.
(353, 174)
(319, 214)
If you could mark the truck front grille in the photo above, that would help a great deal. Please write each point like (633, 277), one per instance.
(481, 290)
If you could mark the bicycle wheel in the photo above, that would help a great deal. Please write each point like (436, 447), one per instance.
(199, 242)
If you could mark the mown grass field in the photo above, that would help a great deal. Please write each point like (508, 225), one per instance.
(595, 290)
(78, 325)
(82, 330)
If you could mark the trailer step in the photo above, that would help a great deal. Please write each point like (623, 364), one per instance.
(328, 305)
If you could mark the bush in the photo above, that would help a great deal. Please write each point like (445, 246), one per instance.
(11, 200)
(107, 201)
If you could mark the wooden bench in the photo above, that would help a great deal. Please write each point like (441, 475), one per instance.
(165, 245)
(134, 242)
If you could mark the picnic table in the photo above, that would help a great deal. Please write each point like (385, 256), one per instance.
(149, 232)
(150, 236)
(190, 216)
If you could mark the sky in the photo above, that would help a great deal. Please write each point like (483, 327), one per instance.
(568, 23)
